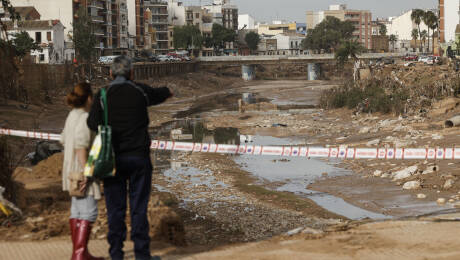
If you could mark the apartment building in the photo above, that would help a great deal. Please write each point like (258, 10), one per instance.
(448, 19)
(110, 21)
(156, 23)
(108, 16)
(361, 19)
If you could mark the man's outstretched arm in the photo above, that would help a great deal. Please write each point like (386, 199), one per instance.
(156, 95)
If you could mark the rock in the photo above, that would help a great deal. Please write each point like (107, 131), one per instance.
(451, 201)
(378, 173)
(373, 142)
(365, 130)
(313, 231)
(421, 196)
(411, 185)
(448, 184)
(294, 231)
(385, 175)
(441, 201)
(437, 137)
(431, 169)
(399, 128)
(405, 173)
(457, 205)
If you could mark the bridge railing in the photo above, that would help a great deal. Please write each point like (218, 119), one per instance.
(291, 57)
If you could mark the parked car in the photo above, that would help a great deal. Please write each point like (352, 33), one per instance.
(164, 58)
(423, 59)
(409, 64)
(139, 59)
(410, 57)
(106, 59)
(429, 61)
(385, 61)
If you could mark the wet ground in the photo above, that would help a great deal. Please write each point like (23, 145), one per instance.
(335, 189)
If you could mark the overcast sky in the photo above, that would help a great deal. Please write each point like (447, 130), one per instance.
(294, 10)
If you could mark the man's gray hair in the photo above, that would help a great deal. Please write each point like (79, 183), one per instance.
(122, 66)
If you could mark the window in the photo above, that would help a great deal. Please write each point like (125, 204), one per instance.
(38, 37)
(48, 36)
(197, 15)
(42, 57)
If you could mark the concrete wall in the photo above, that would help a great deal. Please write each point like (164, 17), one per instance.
(451, 19)
(154, 70)
(178, 11)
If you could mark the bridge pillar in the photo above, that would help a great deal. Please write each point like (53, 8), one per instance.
(248, 72)
(314, 71)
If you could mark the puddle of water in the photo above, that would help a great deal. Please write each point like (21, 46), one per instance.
(297, 173)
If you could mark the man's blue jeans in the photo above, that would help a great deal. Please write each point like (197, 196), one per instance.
(134, 175)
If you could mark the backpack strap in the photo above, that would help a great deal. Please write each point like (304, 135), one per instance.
(147, 101)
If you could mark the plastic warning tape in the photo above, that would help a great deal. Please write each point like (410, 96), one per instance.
(30, 134)
(292, 151)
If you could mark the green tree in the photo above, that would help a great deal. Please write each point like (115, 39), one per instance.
(83, 37)
(348, 49)
(14, 16)
(423, 36)
(328, 35)
(414, 35)
(24, 44)
(393, 39)
(188, 37)
(383, 29)
(220, 35)
(431, 20)
(252, 39)
(417, 16)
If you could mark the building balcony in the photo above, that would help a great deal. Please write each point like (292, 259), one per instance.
(99, 32)
(96, 4)
(155, 3)
(160, 21)
(97, 19)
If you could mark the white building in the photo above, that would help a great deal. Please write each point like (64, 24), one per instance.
(176, 11)
(49, 34)
(402, 27)
(451, 19)
(52, 9)
(246, 21)
(288, 44)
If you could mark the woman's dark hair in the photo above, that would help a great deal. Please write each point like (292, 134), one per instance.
(79, 95)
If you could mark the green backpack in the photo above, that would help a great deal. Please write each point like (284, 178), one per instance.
(101, 162)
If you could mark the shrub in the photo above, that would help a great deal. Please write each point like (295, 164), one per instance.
(370, 96)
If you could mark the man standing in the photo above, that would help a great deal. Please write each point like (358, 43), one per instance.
(128, 116)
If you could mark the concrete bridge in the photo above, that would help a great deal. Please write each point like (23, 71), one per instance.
(276, 59)
(311, 61)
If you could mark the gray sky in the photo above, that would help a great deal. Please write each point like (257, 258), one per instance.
(294, 10)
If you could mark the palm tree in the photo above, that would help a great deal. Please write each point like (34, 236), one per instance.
(382, 29)
(416, 16)
(348, 49)
(415, 36)
(431, 20)
(423, 36)
(393, 39)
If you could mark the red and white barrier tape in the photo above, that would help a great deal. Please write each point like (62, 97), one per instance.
(292, 151)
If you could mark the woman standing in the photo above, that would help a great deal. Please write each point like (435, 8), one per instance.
(76, 138)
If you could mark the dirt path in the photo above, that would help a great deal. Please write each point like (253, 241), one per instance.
(385, 240)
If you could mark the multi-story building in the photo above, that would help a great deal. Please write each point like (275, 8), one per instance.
(194, 16)
(448, 20)
(246, 21)
(361, 19)
(110, 23)
(402, 26)
(48, 34)
(176, 13)
(158, 10)
(108, 16)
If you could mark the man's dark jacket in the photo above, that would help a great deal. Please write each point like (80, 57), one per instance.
(128, 115)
